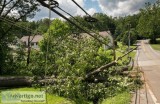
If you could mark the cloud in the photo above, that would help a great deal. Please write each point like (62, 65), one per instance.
(91, 11)
(67, 5)
(122, 7)
(93, 0)
(110, 7)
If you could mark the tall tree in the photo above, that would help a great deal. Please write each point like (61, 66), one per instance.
(149, 21)
(12, 11)
(124, 25)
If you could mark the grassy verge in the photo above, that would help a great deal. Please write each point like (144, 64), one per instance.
(52, 99)
(122, 98)
(121, 50)
(156, 46)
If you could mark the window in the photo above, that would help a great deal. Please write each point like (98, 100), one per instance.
(32, 44)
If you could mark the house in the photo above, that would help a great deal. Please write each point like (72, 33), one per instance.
(33, 40)
(103, 34)
(107, 34)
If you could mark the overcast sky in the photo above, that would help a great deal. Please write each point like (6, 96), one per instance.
(110, 7)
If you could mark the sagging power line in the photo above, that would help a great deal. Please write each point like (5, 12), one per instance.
(73, 23)
(21, 27)
(81, 8)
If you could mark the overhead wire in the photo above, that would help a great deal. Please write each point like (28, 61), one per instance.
(81, 8)
(83, 25)
(64, 17)
(14, 23)
(19, 26)
(67, 20)
(77, 20)
(67, 13)
(73, 23)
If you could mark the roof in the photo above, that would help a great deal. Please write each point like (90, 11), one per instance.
(102, 33)
(35, 38)
(105, 33)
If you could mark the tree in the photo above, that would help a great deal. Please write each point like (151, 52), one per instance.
(12, 11)
(70, 58)
(148, 25)
(133, 37)
(122, 26)
(42, 25)
(103, 23)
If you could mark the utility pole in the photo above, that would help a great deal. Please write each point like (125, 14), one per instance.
(114, 49)
(29, 48)
(129, 36)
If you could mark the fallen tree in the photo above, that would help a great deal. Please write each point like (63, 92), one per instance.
(15, 81)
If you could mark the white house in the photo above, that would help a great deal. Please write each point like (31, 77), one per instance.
(33, 40)
(104, 34)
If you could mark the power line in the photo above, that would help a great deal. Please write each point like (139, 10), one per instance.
(14, 23)
(81, 8)
(52, 8)
(75, 19)
(64, 17)
(92, 20)
(67, 13)
(19, 26)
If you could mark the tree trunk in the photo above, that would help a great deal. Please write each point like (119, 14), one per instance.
(15, 81)
(95, 101)
(29, 51)
(23, 81)
(153, 39)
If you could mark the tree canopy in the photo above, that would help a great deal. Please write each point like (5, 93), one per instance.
(148, 25)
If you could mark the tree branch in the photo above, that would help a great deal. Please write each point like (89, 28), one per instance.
(17, 21)
(8, 11)
(3, 6)
(104, 67)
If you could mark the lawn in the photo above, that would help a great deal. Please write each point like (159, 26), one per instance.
(52, 99)
(156, 46)
(121, 50)
(122, 98)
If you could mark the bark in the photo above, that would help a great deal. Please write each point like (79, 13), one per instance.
(29, 51)
(153, 39)
(15, 81)
(23, 81)
(95, 101)
(105, 67)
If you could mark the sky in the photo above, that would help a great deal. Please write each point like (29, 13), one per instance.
(113, 8)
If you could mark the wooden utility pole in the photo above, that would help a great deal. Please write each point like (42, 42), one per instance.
(129, 36)
(29, 49)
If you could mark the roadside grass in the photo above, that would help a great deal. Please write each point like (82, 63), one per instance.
(122, 98)
(52, 99)
(156, 46)
(121, 50)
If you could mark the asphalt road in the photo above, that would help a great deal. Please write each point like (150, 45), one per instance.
(149, 61)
